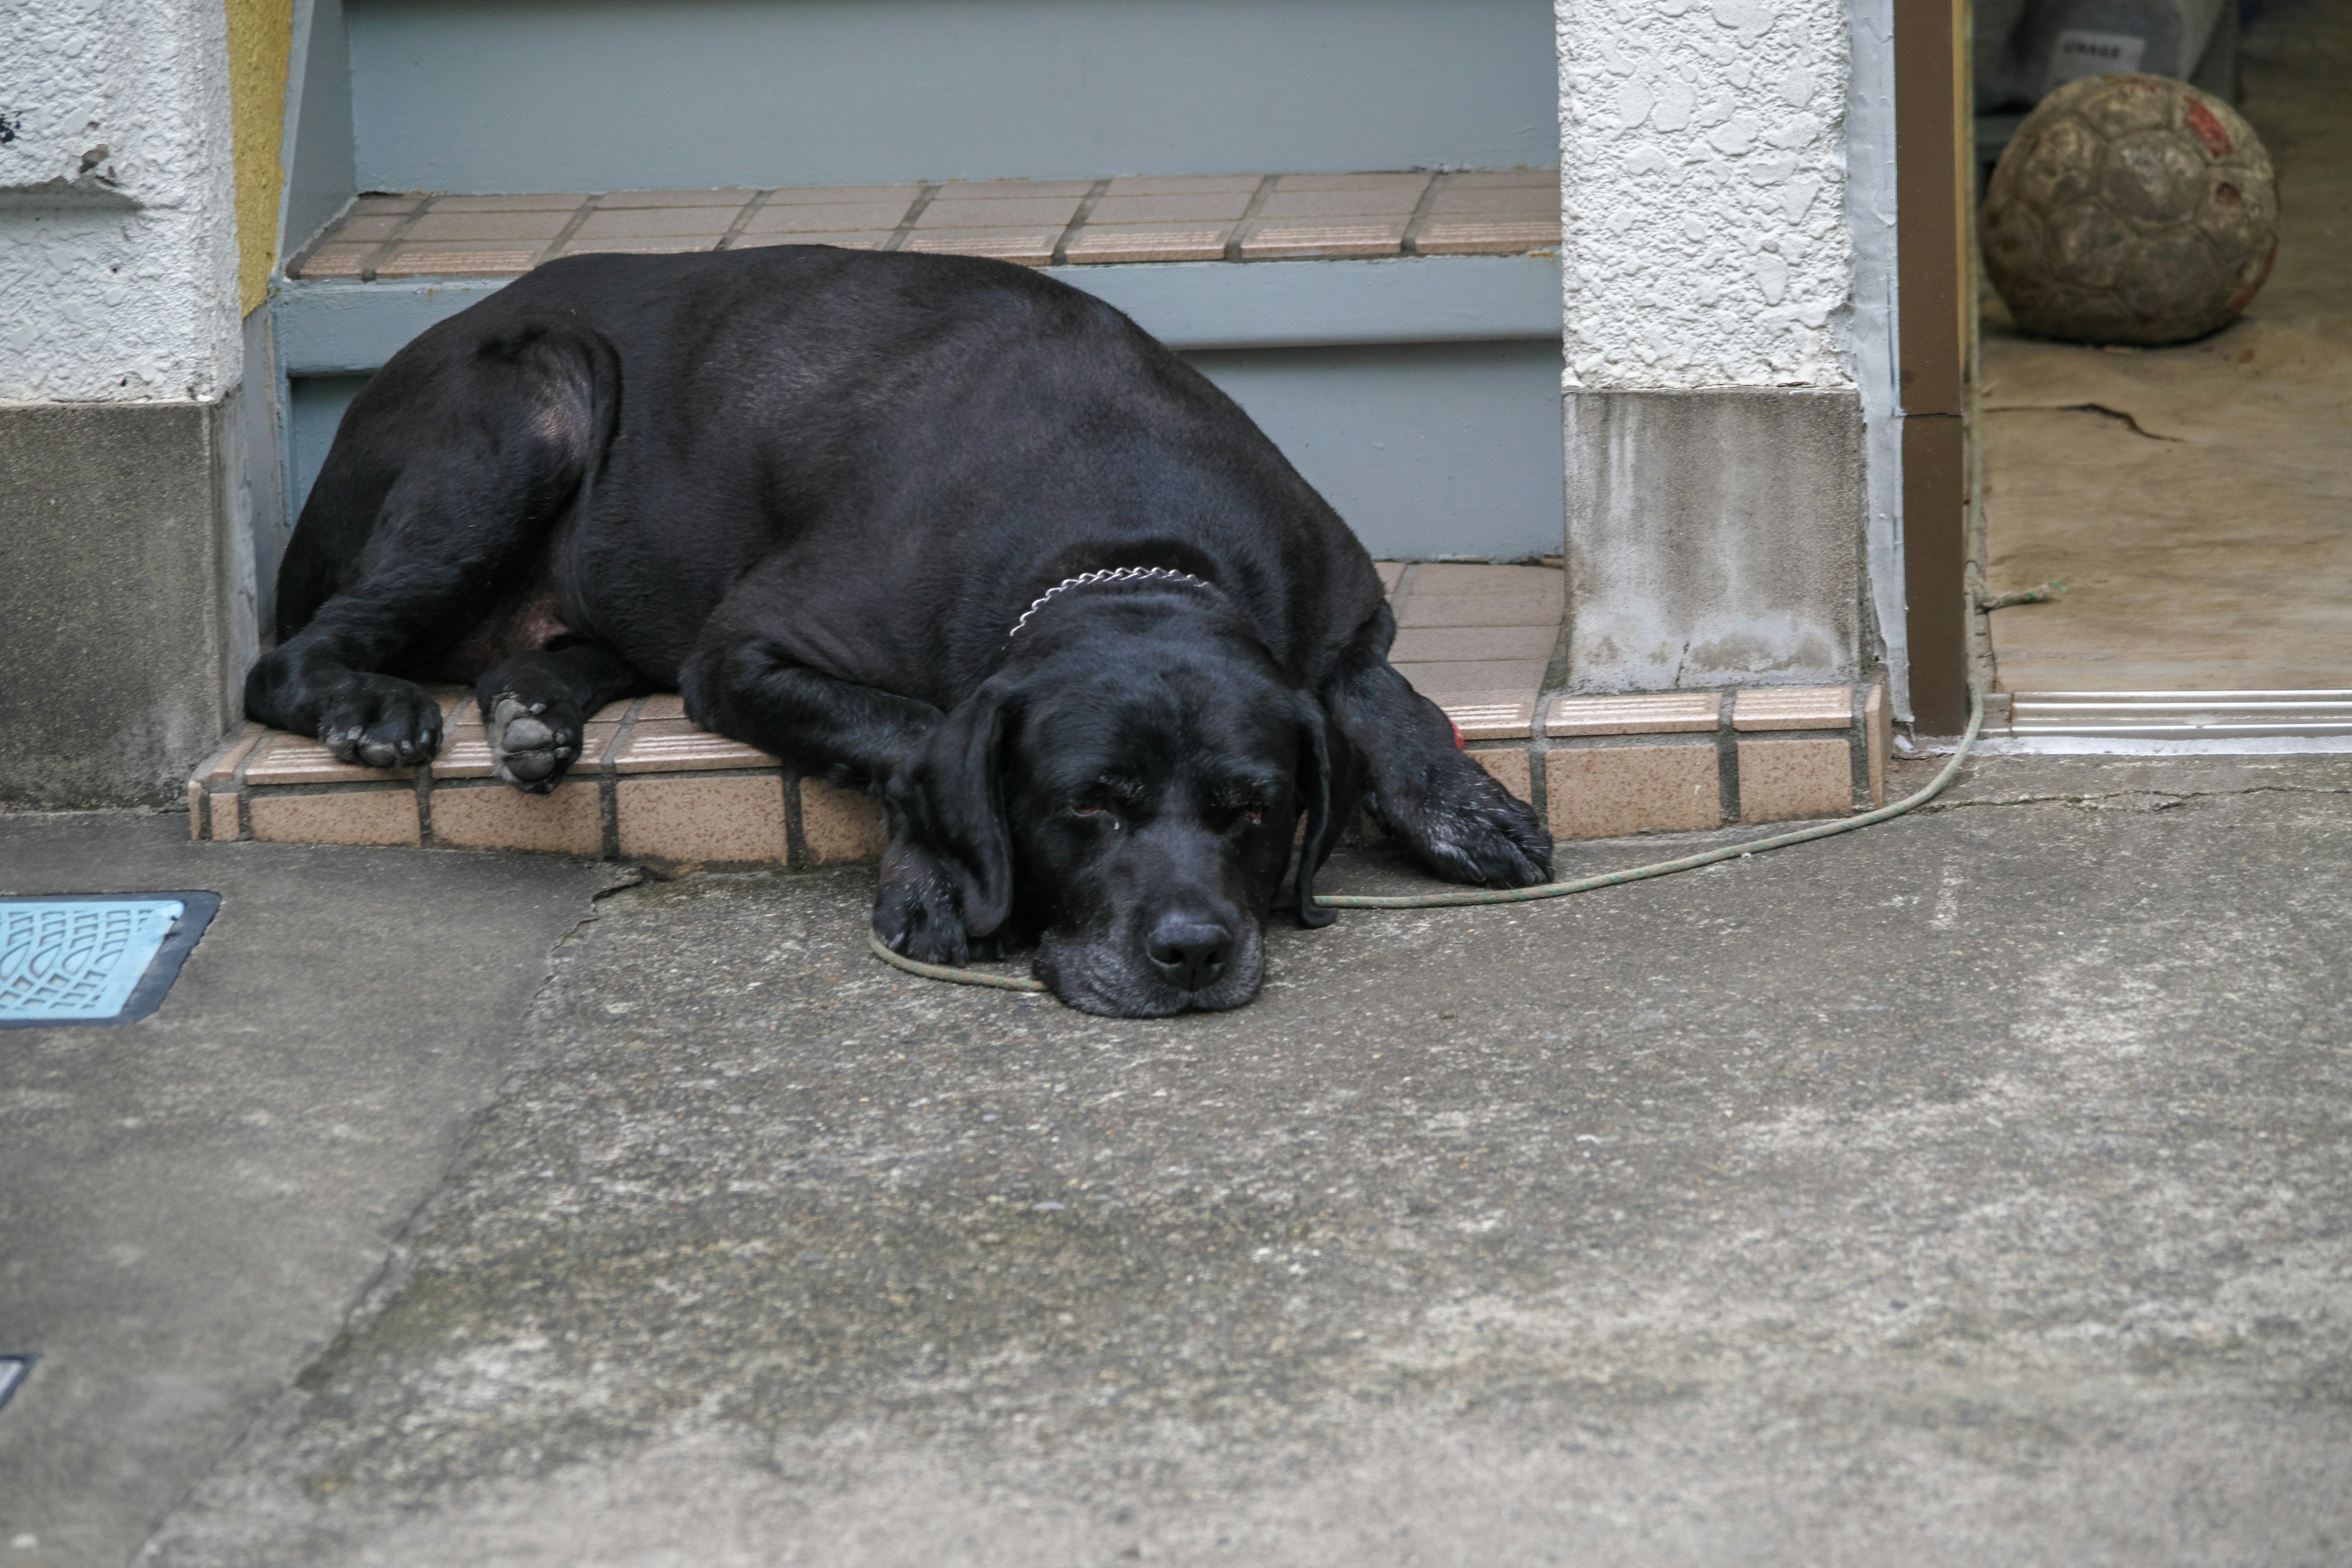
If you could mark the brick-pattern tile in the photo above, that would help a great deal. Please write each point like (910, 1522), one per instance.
(226, 763)
(1664, 713)
(1487, 235)
(1510, 768)
(1494, 715)
(339, 817)
(1177, 218)
(570, 821)
(1604, 791)
(825, 217)
(566, 201)
(645, 222)
(1029, 247)
(840, 823)
(1336, 239)
(1781, 781)
(1459, 577)
(792, 195)
(1422, 608)
(732, 199)
(485, 259)
(333, 259)
(679, 745)
(1182, 185)
(440, 224)
(727, 821)
(1002, 212)
(855, 239)
(1224, 206)
(1478, 640)
(1097, 243)
(1445, 645)
(955, 190)
(1793, 707)
(287, 759)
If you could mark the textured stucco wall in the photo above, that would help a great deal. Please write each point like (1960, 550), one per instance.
(118, 249)
(1703, 174)
(260, 34)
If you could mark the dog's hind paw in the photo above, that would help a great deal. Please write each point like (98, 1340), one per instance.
(530, 746)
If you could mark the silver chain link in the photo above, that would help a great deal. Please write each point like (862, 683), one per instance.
(1108, 574)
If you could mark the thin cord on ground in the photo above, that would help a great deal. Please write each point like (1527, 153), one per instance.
(1460, 898)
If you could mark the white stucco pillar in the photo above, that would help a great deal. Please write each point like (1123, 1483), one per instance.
(1716, 497)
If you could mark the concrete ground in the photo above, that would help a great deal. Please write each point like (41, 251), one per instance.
(2196, 500)
(1969, 1190)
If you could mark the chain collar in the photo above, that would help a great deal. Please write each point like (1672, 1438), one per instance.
(1107, 575)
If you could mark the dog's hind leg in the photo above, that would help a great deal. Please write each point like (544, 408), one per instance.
(443, 481)
(1449, 812)
(534, 705)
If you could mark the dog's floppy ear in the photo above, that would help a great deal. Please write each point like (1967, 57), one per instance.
(950, 796)
(1322, 822)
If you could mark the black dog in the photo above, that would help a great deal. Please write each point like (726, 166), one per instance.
(935, 526)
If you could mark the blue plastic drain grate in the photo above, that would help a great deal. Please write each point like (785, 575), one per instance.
(94, 959)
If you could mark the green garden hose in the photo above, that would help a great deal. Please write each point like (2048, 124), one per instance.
(1469, 896)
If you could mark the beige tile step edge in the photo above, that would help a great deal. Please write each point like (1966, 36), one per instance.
(651, 787)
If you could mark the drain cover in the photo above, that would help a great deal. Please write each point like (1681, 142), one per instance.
(103, 958)
(13, 1369)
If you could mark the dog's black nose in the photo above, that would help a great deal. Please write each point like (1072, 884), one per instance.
(1189, 953)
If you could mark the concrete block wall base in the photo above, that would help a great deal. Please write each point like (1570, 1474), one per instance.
(119, 612)
(1714, 537)
(650, 787)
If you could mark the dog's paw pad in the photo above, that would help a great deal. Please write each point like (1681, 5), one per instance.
(528, 748)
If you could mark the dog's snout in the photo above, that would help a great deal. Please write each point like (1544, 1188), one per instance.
(1190, 953)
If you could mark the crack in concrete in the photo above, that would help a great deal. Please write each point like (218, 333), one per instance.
(2118, 413)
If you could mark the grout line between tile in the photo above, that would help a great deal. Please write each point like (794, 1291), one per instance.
(1858, 746)
(384, 251)
(1249, 216)
(1398, 594)
(424, 805)
(1726, 758)
(608, 773)
(554, 247)
(1060, 256)
(796, 850)
(914, 211)
(1410, 246)
(727, 240)
(243, 809)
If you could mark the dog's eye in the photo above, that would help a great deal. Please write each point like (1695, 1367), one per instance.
(1254, 813)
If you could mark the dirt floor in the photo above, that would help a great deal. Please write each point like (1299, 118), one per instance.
(2196, 500)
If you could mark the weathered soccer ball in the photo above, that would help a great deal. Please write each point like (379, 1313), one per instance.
(2130, 209)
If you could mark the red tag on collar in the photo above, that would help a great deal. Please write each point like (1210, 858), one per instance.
(1457, 736)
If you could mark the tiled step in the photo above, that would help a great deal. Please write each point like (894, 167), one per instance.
(1201, 218)
(1475, 640)
(2172, 715)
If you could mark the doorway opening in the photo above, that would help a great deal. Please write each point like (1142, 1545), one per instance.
(2194, 500)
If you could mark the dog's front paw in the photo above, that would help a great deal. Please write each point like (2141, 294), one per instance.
(531, 744)
(917, 913)
(1469, 828)
(380, 722)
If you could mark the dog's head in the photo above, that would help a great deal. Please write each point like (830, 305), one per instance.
(1126, 791)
